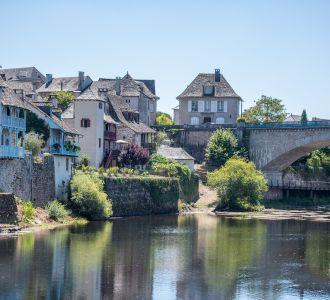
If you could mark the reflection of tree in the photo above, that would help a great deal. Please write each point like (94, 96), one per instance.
(317, 253)
(231, 247)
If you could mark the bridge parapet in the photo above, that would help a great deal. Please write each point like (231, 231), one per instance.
(288, 125)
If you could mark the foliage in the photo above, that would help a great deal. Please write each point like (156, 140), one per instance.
(163, 119)
(27, 210)
(239, 184)
(161, 136)
(304, 116)
(71, 146)
(241, 120)
(88, 198)
(314, 162)
(222, 146)
(84, 161)
(33, 142)
(266, 109)
(134, 155)
(35, 124)
(64, 99)
(37, 159)
(57, 210)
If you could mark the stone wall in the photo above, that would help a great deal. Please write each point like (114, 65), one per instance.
(142, 195)
(43, 182)
(28, 180)
(8, 209)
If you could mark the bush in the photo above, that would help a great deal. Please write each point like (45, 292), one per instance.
(84, 161)
(134, 155)
(88, 198)
(57, 210)
(240, 120)
(221, 147)
(240, 186)
(27, 211)
(33, 142)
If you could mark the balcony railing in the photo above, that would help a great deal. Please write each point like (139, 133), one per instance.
(110, 135)
(13, 122)
(11, 152)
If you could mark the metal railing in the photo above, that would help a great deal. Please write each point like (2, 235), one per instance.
(280, 125)
(13, 122)
(11, 151)
(301, 185)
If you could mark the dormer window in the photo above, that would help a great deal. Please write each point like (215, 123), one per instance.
(208, 90)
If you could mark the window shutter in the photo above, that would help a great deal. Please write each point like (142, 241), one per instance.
(201, 106)
(213, 106)
(189, 106)
(225, 106)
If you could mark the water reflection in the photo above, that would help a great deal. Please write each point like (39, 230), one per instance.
(169, 257)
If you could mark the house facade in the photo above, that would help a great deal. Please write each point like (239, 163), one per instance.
(12, 123)
(208, 99)
(139, 94)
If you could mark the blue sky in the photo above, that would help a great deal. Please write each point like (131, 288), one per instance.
(276, 48)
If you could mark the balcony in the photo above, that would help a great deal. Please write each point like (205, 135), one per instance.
(13, 122)
(109, 135)
(71, 150)
(11, 151)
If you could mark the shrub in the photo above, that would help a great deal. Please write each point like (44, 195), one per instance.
(88, 198)
(57, 210)
(239, 184)
(241, 120)
(33, 142)
(326, 165)
(134, 155)
(27, 210)
(84, 161)
(222, 146)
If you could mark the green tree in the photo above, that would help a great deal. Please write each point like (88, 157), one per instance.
(304, 116)
(266, 109)
(222, 146)
(64, 99)
(34, 142)
(239, 184)
(163, 119)
(88, 198)
(33, 123)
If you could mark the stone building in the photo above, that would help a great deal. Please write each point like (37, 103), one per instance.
(209, 98)
(139, 94)
(75, 85)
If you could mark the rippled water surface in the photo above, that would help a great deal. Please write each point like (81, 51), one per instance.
(169, 257)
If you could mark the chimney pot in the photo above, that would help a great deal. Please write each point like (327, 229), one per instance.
(49, 78)
(217, 75)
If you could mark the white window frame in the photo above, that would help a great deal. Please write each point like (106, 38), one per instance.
(220, 106)
(194, 106)
(194, 120)
(220, 120)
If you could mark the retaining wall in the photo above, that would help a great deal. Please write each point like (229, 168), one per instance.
(8, 209)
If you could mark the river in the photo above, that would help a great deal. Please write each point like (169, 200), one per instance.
(169, 257)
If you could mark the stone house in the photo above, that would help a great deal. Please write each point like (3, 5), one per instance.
(23, 75)
(139, 94)
(209, 98)
(102, 117)
(75, 85)
(178, 154)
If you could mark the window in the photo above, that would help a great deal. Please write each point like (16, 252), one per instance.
(194, 121)
(207, 106)
(67, 164)
(100, 141)
(220, 120)
(151, 107)
(220, 106)
(207, 120)
(194, 106)
(100, 105)
(8, 111)
(208, 90)
(85, 123)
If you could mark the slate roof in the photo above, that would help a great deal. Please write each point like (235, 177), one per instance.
(23, 74)
(68, 84)
(292, 118)
(26, 86)
(195, 88)
(174, 153)
(8, 96)
(130, 87)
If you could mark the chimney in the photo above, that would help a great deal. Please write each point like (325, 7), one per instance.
(81, 79)
(49, 78)
(118, 79)
(217, 75)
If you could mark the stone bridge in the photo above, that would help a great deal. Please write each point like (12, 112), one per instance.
(275, 146)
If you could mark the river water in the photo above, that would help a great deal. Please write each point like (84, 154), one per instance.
(169, 257)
